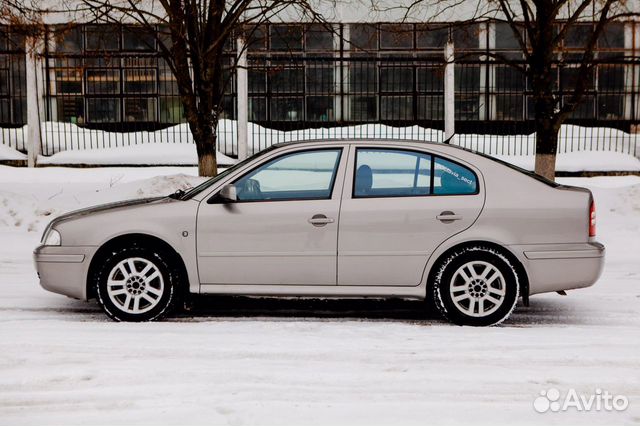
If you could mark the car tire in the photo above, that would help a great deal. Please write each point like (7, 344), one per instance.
(476, 286)
(136, 284)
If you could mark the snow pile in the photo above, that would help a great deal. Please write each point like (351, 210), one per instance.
(9, 153)
(30, 198)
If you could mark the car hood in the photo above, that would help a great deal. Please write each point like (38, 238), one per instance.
(75, 214)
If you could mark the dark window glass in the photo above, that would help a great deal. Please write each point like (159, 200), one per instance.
(505, 38)
(391, 173)
(257, 38)
(102, 37)
(257, 109)
(509, 107)
(363, 77)
(318, 37)
(396, 37)
(363, 37)
(134, 38)
(319, 80)
(140, 109)
(320, 108)
(257, 80)
(68, 40)
(578, 35)
(610, 78)
(171, 110)
(396, 79)
(364, 108)
(509, 78)
(287, 80)
(103, 81)
(585, 109)
(286, 37)
(430, 107)
(140, 80)
(432, 37)
(103, 110)
(431, 79)
(453, 179)
(396, 108)
(612, 36)
(287, 108)
(611, 107)
(305, 175)
(466, 36)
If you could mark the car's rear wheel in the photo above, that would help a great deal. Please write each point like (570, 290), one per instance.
(476, 286)
(136, 284)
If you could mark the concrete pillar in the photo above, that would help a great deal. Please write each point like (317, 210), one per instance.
(34, 47)
(449, 92)
(243, 99)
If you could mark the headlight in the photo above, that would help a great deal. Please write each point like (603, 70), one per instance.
(51, 238)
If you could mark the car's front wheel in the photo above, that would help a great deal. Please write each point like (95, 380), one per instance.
(135, 284)
(476, 286)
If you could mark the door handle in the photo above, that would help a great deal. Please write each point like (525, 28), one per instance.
(320, 220)
(448, 216)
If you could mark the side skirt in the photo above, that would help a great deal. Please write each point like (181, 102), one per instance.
(417, 292)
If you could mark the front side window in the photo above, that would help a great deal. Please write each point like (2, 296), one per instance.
(307, 175)
(453, 179)
(391, 173)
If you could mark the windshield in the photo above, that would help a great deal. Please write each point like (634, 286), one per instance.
(206, 184)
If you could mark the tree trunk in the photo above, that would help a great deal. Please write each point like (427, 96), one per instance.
(207, 161)
(205, 137)
(546, 147)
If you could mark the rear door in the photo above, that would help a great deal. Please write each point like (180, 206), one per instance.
(398, 206)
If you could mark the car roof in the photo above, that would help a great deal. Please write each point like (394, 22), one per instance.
(394, 141)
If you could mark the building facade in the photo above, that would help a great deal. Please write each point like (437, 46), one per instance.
(315, 76)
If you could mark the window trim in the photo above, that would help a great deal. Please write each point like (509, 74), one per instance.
(214, 199)
(431, 178)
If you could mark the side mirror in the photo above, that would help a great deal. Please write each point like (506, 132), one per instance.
(228, 194)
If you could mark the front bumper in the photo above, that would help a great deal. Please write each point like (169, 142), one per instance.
(557, 267)
(63, 270)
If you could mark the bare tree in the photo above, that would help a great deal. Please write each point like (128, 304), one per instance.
(540, 28)
(190, 36)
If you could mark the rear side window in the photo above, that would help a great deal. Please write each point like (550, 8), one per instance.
(391, 173)
(453, 179)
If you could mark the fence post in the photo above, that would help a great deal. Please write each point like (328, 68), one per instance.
(449, 92)
(33, 63)
(243, 99)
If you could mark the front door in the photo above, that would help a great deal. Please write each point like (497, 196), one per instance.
(283, 230)
(398, 208)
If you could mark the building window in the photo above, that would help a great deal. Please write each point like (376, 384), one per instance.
(432, 36)
(363, 37)
(396, 37)
(286, 38)
(318, 37)
(103, 110)
(102, 37)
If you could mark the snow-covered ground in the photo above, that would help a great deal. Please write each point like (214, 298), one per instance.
(253, 362)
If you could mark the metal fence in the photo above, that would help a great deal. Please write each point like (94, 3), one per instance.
(13, 92)
(106, 101)
(103, 101)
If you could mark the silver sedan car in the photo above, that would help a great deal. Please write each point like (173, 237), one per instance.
(345, 218)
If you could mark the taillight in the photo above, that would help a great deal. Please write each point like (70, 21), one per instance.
(592, 219)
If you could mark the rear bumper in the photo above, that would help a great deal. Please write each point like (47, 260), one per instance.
(556, 267)
(63, 270)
